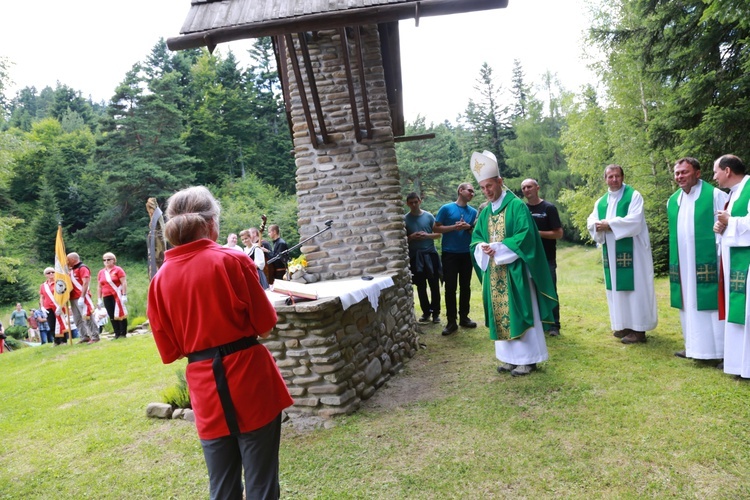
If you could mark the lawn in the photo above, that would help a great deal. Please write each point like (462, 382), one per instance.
(598, 420)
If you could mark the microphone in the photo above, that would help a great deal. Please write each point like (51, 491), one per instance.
(329, 222)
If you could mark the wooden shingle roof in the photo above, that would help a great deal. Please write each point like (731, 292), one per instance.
(210, 22)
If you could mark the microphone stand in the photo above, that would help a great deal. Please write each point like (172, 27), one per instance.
(295, 247)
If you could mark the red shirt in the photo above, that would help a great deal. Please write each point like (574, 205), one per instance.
(81, 273)
(204, 296)
(116, 273)
(47, 302)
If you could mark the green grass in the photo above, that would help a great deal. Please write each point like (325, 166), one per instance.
(598, 420)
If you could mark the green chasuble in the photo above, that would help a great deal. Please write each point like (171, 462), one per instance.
(739, 261)
(623, 247)
(704, 242)
(506, 292)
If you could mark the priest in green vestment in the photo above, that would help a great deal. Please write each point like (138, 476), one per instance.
(517, 290)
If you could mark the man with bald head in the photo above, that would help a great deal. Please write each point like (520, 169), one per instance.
(80, 299)
(547, 220)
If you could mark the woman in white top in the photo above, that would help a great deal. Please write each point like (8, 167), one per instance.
(251, 239)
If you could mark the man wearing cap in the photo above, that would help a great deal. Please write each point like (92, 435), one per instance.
(455, 222)
(80, 299)
(517, 288)
(550, 229)
(694, 261)
(618, 225)
(733, 224)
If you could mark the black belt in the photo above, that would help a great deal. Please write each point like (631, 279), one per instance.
(216, 353)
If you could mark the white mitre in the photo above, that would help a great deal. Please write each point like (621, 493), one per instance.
(484, 166)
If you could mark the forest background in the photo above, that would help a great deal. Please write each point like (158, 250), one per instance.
(674, 81)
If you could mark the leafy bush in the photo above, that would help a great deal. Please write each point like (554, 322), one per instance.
(17, 332)
(135, 322)
(13, 343)
(178, 395)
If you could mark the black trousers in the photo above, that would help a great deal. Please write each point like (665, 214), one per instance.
(457, 271)
(256, 451)
(556, 310)
(120, 327)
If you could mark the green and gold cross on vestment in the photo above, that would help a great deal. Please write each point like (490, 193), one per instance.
(706, 273)
(674, 273)
(625, 260)
(737, 281)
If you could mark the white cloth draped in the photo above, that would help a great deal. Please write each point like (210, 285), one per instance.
(633, 309)
(702, 330)
(736, 337)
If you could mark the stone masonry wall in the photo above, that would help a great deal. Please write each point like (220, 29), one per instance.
(333, 359)
(354, 184)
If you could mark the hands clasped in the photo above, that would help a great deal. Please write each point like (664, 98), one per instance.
(722, 221)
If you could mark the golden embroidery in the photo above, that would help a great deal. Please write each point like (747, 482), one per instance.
(499, 281)
(478, 166)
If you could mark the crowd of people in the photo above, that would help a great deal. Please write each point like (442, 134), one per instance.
(515, 260)
(80, 318)
(262, 251)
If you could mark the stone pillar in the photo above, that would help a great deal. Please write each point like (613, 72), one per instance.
(354, 184)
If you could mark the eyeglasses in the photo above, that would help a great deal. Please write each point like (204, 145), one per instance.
(50, 272)
(107, 260)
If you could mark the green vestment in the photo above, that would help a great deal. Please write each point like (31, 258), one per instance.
(704, 244)
(506, 293)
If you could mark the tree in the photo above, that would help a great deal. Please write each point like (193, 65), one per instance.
(520, 91)
(433, 168)
(10, 146)
(489, 120)
(142, 154)
(44, 225)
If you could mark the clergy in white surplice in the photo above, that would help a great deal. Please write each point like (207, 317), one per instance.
(618, 225)
(733, 224)
(694, 261)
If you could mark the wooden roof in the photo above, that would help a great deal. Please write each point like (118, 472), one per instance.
(210, 22)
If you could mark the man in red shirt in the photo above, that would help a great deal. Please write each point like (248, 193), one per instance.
(80, 299)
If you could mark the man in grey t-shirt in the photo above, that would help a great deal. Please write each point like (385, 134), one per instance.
(424, 260)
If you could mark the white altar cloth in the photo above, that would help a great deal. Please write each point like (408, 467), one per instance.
(350, 291)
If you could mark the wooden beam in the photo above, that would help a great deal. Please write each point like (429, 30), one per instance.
(313, 86)
(350, 83)
(301, 90)
(408, 138)
(331, 20)
(362, 82)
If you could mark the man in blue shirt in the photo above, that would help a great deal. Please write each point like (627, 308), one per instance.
(455, 222)
(423, 258)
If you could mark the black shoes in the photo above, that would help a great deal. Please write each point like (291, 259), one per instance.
(467, 323)
(425, 318)
(450, 329)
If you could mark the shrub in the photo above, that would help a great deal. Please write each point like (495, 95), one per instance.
(178, 395)
(17, 332)
(135, 322)
(13, 343)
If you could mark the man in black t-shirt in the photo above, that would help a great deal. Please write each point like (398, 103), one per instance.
(550, 229)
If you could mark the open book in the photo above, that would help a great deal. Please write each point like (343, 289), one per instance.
(294, 289)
